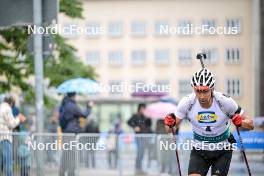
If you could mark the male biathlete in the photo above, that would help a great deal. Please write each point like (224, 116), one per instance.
(209, 112)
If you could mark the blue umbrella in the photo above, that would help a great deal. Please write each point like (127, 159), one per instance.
(79, 85)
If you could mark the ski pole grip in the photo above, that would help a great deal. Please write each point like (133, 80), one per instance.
(201, 56)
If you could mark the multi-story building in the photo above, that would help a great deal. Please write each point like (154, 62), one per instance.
(146, 42)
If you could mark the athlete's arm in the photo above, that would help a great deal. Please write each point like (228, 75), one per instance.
(172, 119)
(239, 117)
(247, 121)
(178, 121)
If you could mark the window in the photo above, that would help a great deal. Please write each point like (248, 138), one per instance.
(115, 58)
(185, 87)
(162, 57)
(93, 30)
(160, 28)
(233, 87)
(234, 25)
(138, 57)
(184, 27)
(69, 30)
(115, 87)
(162, 82)
(138, 28)
(208, 26)
(93, 58)
(211, 55)
(185, 56)
(138, 85)
(162, 85)
(115, 29)
(233, 55)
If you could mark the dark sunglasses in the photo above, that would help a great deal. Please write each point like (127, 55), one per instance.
(202, 91)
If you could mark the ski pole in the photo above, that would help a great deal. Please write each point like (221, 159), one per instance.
(176, 151)
(201, 57)
(243, 151)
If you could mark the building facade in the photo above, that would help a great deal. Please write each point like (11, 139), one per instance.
(155, 42)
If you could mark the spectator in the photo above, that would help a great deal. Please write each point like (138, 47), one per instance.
(15, 112)
(70, 114)
(112, 142)
(164, 155)
(117, 126)
(69, 120)
(141, 125)
(7, 124)
(52, 128)
(89, 107)
(18, 144)
(149, 143)
(91, 127)
(23, 153)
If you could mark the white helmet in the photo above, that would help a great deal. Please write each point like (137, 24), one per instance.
(203, 78)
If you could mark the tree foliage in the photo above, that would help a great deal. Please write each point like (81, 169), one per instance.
(17, 62)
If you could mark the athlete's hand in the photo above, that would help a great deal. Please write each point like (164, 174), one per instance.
(170, 120)
(237, 120)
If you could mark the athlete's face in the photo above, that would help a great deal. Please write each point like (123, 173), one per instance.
(203, 96)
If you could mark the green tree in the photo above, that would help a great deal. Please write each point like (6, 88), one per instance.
(17, 63)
